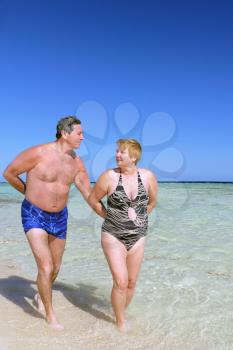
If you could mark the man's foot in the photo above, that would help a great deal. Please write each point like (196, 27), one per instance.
(54, 323)
(39, 304)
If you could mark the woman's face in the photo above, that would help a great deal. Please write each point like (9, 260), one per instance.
(123, 157)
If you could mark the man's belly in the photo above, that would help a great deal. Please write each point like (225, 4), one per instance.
(49, 197)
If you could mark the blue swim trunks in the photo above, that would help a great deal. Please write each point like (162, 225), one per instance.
(53, 223)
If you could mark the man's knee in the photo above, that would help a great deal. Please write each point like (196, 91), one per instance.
(56, 269)
(46, 269)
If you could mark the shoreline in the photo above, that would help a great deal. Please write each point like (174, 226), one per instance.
(175, 182)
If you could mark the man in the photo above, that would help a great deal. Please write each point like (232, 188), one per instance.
(51, 169)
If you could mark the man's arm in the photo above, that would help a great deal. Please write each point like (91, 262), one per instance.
(82, 181)
(152, 192)
(24, 162)
(98, 192)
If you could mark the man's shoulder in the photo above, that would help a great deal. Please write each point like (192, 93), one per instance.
(33, 151)
(77, 162)
(40, 147)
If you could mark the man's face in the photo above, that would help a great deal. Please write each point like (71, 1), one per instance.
(76, 136)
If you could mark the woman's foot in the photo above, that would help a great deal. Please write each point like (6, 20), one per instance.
(123, 326)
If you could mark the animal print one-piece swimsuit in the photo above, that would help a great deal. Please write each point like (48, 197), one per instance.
(118, 223)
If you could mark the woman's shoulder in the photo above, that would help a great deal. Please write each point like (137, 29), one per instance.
(113, 173)
(146, 173)
(108, 178)
(110, 173)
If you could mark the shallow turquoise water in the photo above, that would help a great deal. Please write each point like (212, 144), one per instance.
(184, 294)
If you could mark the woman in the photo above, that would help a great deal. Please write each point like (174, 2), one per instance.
(131, 195)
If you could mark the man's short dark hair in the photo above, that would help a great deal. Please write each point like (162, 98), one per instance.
(67, 124)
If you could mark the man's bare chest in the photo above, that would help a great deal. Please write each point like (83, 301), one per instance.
(59, 170)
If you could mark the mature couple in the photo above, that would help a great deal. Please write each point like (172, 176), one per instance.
(51, 169)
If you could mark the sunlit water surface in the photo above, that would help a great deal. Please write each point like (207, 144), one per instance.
(184, 295)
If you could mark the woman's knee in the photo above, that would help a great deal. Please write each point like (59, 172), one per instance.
(120, 283)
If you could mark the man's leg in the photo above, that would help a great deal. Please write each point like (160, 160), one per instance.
(57, 247)
(134, 261)
(38, 240)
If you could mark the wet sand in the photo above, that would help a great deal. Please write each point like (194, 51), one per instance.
(22, 327)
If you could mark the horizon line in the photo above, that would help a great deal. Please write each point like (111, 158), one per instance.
(160, 181)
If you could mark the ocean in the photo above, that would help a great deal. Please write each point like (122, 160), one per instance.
(184, 294)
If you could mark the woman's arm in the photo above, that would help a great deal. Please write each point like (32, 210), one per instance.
(98, 192)
(152, 192)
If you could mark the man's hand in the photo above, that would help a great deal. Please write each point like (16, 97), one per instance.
(24, 162)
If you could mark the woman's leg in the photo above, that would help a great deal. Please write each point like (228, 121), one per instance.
(115, 253)
(134, 261)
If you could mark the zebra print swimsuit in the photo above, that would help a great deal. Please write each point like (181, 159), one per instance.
(117, 221)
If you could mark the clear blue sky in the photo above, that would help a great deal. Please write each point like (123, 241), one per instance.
(159, 71)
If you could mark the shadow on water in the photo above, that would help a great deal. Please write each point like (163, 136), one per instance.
(18, 290)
